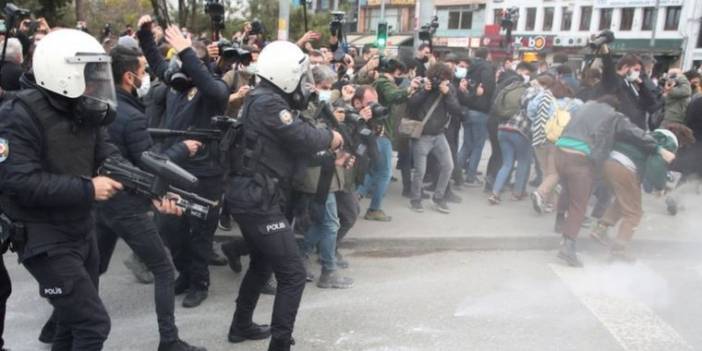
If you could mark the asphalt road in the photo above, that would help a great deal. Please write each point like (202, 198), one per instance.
(499, 300)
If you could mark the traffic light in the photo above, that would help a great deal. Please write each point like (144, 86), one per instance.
(381, 39)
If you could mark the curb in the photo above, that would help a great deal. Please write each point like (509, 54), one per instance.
(418, 245)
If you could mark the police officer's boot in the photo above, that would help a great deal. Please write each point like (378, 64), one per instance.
(178, 345)
(332, 280)
(567, 252)
(233, 253)
(281, 344)
(48, 331)
(242, 329)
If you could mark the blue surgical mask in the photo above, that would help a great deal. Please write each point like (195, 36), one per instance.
(324, 95)
(461, 72)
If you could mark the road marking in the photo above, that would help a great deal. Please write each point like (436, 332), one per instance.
(632, 323)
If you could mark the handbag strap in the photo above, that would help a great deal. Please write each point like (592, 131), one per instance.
(431, 109)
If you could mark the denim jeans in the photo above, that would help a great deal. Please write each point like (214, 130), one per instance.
(190, 239)
(139, 231)
(439, 147)
(514, 147)
(378, 179)
(322, 231)
(474, 135)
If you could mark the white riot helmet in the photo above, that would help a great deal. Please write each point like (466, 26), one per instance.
(73, 64)
(284, 65)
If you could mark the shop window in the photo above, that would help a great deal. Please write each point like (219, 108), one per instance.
(548, 19)
(647, 21)
(566, 19)
(672, 17)
(585, 18)
(627, 19)
(461, 19)
(605, 18)
(530, 18)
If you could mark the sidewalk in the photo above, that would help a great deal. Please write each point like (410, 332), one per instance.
(475, 225)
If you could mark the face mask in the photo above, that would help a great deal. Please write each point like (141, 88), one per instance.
(461, 72)
(143, 88)
(633, 76)
(399, 80)
(324, 95)
(526, 78)
(424, 59)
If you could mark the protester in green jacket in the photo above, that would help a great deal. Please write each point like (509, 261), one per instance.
(677, 94)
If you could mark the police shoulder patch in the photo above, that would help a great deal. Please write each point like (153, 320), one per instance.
(4, 149)
(286, 117)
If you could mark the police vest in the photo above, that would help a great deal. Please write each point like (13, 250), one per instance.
(256, 149)
(66, 149)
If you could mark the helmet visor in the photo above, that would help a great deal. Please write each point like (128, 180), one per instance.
(99, 83)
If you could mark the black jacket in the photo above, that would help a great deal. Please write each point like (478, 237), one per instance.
(278, 143)
(56, 207)
(482, 72)
(192, 108)
(420, 103)
(635, 100)
(155, 104)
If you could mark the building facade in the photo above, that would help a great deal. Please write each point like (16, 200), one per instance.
(548, 26)
(461, 23)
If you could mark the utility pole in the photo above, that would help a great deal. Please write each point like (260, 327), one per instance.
(283, 19)
(423, 11)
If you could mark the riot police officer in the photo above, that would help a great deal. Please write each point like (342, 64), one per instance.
(263, 162)
(54, 135)
(54, 140)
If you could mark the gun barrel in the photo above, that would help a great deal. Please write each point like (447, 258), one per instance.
(196, 134)
(163, 167)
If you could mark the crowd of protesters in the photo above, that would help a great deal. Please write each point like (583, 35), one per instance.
(558, 135)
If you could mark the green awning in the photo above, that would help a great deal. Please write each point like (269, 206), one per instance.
(644, 45)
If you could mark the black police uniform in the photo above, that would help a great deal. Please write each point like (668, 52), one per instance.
(46, 185)
(263, 166)
(190, 239)
(126, 215)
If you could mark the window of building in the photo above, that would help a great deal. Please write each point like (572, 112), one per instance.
(392, 16)
(498, 16)
(627, 19)
(454, 20)
(585, 18)
(530, 18)
(672, 17)
(460, 19)
(699, 38)
(548, 19)
(647, 21)
(566, 19)
(606, 18)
